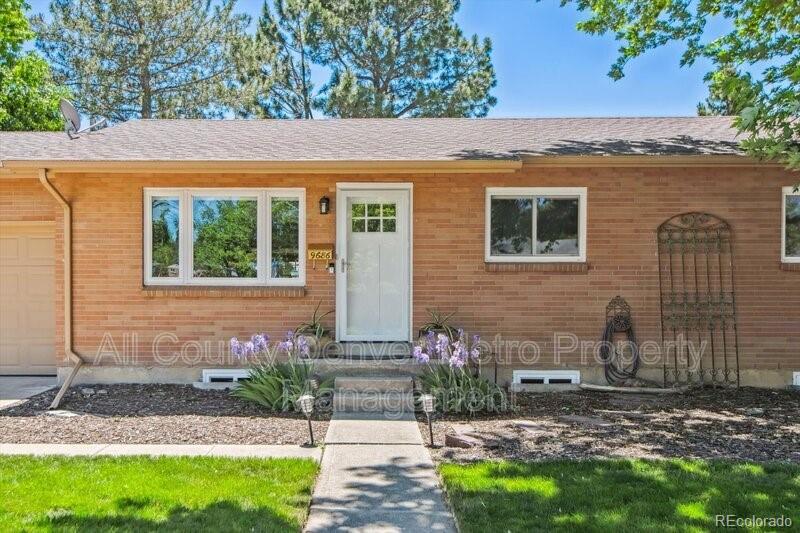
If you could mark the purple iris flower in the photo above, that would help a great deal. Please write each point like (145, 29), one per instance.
(236, 348)
(302, 346)
(260, 342)
(430, 342)
(249, 349)
(442, 345)
(420, 355)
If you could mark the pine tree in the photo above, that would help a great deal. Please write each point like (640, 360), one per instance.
(401, 58)
(386, 58)
(279, 73)
(145, 58)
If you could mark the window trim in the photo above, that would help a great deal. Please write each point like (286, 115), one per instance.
(551, 192)
(264, 197)
(787, 191)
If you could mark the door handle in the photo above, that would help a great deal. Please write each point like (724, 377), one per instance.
(344, 265)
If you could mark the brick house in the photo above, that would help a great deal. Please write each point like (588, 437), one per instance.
(184, 233)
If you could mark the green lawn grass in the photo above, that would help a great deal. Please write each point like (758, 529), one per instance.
(618, 495)
(150, 494)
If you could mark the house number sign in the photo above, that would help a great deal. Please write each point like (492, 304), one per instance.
(322, 252)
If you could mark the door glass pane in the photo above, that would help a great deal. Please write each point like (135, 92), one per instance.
(389, 225)
(792, 225)
(225, 237)
(389, 210)
(374, 210)
(373, 225)
(511, 226)
(359, 225)
(165, 215)
(285, 238)
(359, 210)
(557, 226)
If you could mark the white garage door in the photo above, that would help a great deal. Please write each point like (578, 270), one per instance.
(27, 299)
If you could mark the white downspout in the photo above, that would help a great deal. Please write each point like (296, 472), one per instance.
(77, 360)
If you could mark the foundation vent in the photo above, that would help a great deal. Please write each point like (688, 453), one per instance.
(224, 375)
(546, 377)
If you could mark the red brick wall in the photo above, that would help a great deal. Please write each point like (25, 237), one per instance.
(25, 200)
(625, 207)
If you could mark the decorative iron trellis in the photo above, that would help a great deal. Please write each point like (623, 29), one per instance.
(698, 300)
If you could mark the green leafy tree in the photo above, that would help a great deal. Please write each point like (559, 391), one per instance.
(28, 95)
(285, 232)
(396, 58)
(145, 58)
(165, 238)
(225, 239)
(729, 93)
(793, 227)
(278, 74)
(764, 38)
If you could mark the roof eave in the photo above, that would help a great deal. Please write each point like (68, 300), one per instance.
(268, 167)
(656, 160)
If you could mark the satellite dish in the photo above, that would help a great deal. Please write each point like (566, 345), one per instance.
(72, 120)
(70, 115)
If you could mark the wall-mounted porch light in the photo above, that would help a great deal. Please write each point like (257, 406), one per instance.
(324, 205)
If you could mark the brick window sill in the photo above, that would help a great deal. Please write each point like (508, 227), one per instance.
(575, 268)
(223, 292)
(790, 267)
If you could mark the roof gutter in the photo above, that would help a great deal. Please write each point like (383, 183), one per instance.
(456, 166)
(661, 161)
(76, 359)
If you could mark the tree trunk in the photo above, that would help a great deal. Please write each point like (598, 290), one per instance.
(147, 94)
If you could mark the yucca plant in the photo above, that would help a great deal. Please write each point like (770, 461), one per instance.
(314, 326)
(439, 323)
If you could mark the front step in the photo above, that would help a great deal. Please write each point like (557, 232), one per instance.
(346, 401)
(374, 384)
(367, 351)
(374, 369)
(373, 394)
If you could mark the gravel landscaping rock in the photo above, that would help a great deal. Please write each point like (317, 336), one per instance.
(153, 414)
(744, 424)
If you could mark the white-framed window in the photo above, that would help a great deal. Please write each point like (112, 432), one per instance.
(535, 224)
(204, 236)
(790, 226)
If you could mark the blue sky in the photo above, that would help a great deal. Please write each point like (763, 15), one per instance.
(546, 68)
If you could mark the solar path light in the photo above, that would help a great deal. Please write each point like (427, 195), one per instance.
(427, 408)
(306, 404)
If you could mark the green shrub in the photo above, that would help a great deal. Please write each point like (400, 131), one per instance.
(277, 386)
(457, 390)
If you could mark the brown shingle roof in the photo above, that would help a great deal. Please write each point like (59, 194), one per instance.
(377, 139)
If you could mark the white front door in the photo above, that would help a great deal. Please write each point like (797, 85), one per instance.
(373, 241)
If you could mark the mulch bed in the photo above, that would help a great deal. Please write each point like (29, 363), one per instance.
(744, 424)
(152, 414)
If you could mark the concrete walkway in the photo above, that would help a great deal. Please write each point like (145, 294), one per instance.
(376, 475)
(194, 450)
(15, 389)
